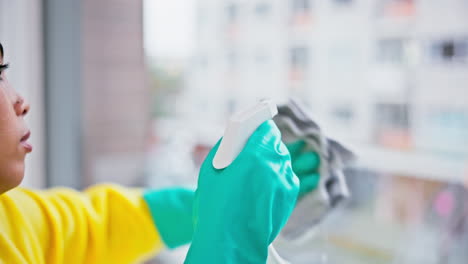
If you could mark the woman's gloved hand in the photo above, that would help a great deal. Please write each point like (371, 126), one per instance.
(239, 210)
(171, 210)
(305, 164)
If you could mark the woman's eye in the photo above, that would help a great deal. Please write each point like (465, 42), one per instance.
(3, 67)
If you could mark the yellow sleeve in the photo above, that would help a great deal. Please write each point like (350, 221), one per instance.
(104, 224)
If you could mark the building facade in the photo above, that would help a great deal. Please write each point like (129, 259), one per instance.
(388, 77)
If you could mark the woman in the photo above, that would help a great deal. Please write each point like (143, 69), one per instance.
(105, 224)
(237, 212)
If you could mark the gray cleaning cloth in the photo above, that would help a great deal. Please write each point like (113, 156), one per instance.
(295, 124)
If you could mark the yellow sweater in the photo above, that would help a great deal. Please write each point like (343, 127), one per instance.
(105, 224)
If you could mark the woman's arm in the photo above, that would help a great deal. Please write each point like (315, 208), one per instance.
(104, 224)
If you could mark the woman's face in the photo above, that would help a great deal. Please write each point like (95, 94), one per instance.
(13, 133)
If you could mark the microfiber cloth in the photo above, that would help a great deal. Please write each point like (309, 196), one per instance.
(295, 124)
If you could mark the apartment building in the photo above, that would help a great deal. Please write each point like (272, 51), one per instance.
(387, 76)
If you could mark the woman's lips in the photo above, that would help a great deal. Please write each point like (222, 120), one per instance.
(24, 142)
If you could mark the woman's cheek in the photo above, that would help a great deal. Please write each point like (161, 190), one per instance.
(4, 106)
(11, 158)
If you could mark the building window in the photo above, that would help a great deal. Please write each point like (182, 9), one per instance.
(262, 9)
(299, 57)
(392, 125)
(301, 6)
(232, 12)
(342, 2)
(392, 115)
(301, 14)
(448, 128)
(299, 62)
(343, 113)
(448, 51)
(391, 51)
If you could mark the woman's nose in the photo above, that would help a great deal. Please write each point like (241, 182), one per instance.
(21, 106)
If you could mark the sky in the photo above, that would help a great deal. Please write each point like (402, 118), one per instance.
(169, 28)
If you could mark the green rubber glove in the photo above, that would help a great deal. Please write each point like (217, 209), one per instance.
(305, 164)
(171, 210)
(239, 210)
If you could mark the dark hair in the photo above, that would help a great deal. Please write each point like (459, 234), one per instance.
(1, 50)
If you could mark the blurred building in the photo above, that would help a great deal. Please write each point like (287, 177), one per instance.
(388, 77)
(81, 63)
(116, 110)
